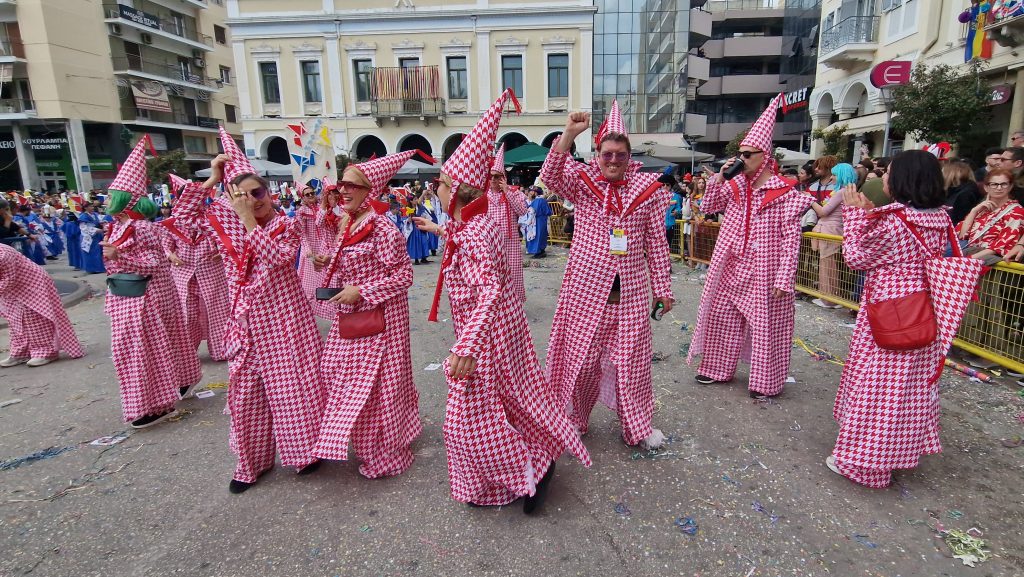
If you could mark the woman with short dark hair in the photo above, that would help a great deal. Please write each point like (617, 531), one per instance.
(887, 406)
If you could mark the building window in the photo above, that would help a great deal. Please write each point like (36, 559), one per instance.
(311, 81)
(408, 62)
(902, 20)
(457, 85)
(195, 144)
(229, 113)
(220, 34)
(225, 75)
(268, 76)
(512, 73)
(558, 75)
(362, 69)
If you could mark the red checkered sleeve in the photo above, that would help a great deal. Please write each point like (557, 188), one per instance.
(868, 241)
(517, 200)
(394, 258)
(478, 263)
(790, 232)
(7, 266)
(133, 256)
(559, 178)
(657, 248)
(716, 196)
(276, 251)
(189, 208)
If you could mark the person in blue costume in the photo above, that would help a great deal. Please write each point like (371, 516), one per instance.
(33, 248)
(51, 226)
(540, 211)
(418, 241)
(433, 206)
(73, 236)
(90, 226)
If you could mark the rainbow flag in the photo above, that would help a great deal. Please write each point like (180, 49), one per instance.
(978, 44)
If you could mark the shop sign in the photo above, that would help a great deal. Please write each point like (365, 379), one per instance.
(58, 143)
(795, 100)
(139, 17)
(49, 165)
(150, 96)
(1000, 95)
(891, 73)
(101, 164)
(6, 145)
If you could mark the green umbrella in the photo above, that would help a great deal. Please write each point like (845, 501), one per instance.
(529, 153)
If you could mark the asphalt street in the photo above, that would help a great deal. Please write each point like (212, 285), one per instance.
(740, 490)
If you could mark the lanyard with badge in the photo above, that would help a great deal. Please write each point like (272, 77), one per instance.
(617, 241)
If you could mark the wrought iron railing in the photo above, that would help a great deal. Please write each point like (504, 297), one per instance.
(406, 91)
(853, 30)
(169, 70)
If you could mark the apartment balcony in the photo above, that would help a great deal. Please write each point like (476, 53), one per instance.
(700, 26)
(197, 3)
(850, 44)
(17, 108)
(1008, 32)
(748, 46)
(177, 120)
(11, 51)
(413, 92)
(148, 28)
(8, 11)
(698, 68)
(164, 72)
(742, 84)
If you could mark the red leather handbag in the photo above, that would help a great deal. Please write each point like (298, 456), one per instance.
(361, 324)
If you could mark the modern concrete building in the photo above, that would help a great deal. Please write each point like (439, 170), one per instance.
(800, 40)
(82, 81)
(388, 76)
(858, 35)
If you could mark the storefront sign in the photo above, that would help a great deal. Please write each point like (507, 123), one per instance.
(795, 100)
(150, 96)
(206, 122)
(6, 145)
(891, 73)
(46, 143)
(48, 165)
(1000, 95)
(139, 17)
(101, 164)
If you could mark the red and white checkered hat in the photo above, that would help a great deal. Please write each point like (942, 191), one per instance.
(239, 164)
(177, 182)
(132, 176)
(471, 161)
(380, 171)
(612, 123)
(498, 166)
(760, 134)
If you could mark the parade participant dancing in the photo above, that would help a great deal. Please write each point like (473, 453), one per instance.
(315, 242)
(90, 226)
(503, 427)
(149, 344)
(372, 401)
(29, 301)
(504, 206)
(275, 396)
(746, 309)
(199, 279)
(619, 266)
(887, 405)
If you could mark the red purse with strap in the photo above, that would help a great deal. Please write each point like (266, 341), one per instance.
(907, 323)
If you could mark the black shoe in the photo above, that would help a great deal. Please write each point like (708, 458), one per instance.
(310, 468)
(433, 253)
(186, 392)
(756, 395)
(425, 261)
(706, 380)
(237, 487)
(540, 255)
(531, 504)
(150, 420)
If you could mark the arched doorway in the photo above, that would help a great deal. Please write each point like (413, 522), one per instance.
(277, 150)
(513, 140)
(549, 140)
(368, 146)
(415, 142)
(450, 144)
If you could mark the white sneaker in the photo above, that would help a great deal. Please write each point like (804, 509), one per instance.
(830, 462)
(13, 361)
(38, 362)
(825, 305)
(654, 441)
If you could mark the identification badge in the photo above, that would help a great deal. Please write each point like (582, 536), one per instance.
(617, 242)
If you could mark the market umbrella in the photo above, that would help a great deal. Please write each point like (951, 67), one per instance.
(529, 153)
(792, 157)
(673, 153)
(413, 169)
(651, 164)
(263, 168)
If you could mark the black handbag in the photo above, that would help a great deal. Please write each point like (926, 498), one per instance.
(124, 284)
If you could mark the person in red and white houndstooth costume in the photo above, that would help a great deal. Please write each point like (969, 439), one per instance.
(503, 427)
(747, 306)
(155, 362)
(372, 400)
(275, 395)
(600, 346)
(887, 406)
(198, 272)
(38, 322)
(504, 206)
(316, 244)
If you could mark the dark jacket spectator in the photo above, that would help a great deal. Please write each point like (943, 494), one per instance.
(962, 192)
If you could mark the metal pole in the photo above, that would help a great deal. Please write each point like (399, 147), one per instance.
(888, 121)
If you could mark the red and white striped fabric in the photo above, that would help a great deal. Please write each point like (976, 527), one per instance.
(760, 134)
(149, 344)
(201, 285)
(503, 425)
(887, 405)
(505, 208)
(595, 344)
(272, 339)
(39, 325)
(756, 253)
(372, 400)
(239, 162)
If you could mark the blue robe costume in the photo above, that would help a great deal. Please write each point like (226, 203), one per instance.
(92, 259)
(55, 244)
(541, 212)
(432, 211)
(418, 241)
(33, 249)
(74, 237)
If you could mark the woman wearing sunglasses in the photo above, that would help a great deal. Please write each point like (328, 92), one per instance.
(315, 243)
(372, 401)
(747, 303)
(271, 340)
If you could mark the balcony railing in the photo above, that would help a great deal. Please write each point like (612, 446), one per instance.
(853, 30)
(131, 113)
(722, 5)
(177, 28)
(410, 91)
(170, 71)
(17, 105)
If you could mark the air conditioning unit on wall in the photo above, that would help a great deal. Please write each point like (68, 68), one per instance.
(198, 63)
(147, 38)
(115, 29)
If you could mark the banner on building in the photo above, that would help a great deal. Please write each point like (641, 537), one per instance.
(150, 96)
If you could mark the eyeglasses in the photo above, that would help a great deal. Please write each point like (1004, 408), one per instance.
(309, 195)
(750, 153)
(617, 156)
(998, 184)
(258, 193)
(346, 184)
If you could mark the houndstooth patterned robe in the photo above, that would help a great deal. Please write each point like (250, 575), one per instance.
(503, 427)
(618, 370)
(40, 327)
(317, 238)
(372, 400)
(756, 252)
(201, 284)
(149, 344)
(275, 396)
(505, 210)
(887, 405)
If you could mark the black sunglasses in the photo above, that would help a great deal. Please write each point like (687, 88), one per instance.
(258, 193)
(749, 153)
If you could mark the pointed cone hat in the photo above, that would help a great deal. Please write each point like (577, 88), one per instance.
(760, 134)
(612, 123)
(177, 182)
(239, 164)
(471, 161)
(132, 176)
(499, 160)
(380, 171)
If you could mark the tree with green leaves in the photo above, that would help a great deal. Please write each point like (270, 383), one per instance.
(945, 104)
(834, 139)
(157, 168)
